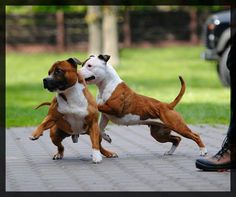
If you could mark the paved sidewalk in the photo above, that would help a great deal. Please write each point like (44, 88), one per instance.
(141, 165)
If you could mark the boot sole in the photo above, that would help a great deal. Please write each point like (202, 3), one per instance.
(209, 167)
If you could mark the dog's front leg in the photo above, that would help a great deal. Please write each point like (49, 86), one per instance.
(47, 123)
(102, 125)
(94, 136)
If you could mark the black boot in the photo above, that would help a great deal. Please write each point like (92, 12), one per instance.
(220, 161)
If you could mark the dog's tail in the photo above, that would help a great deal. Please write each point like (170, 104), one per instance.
(42, 104)
(181, 93)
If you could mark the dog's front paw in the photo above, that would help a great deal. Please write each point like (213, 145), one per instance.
(106, 137)
(112, 155)
(58, 156)
(203, 151)
(96, 155)
(33, 137)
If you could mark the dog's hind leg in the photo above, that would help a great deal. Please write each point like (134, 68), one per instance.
(175, 122)
(57, 135)
(102, 125)
(162, 134)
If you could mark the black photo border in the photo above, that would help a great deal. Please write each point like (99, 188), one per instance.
(3, 96)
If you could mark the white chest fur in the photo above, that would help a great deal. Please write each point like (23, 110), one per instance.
(74, 108)
(109, 84)
(106, 93)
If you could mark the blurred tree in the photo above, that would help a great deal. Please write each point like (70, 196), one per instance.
(110, 33)
(126, 27)
(60, 37)
(103, 32)
(193, 25)
(93, 19)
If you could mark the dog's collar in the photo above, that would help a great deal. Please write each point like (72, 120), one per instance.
(63, 96)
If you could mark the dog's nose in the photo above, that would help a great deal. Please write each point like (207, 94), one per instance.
(45, 83)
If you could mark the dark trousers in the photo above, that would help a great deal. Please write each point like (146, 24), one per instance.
(231, 64)
(231, 135)
(232, 126)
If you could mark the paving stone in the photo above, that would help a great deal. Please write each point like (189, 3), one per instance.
(141, 165)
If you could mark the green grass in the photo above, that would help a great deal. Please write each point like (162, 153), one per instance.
(153, 72)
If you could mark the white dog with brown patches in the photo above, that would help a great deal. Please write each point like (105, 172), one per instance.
(123, 106)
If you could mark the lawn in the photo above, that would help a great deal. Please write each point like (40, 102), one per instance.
(153, 72)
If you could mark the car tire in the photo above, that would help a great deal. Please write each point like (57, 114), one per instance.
(223, 71)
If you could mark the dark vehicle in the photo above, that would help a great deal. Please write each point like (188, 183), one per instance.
(216, 36)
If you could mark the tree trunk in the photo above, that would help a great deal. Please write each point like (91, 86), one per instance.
(60, 31)
(110, 34)
(93, 19)
(126, 28)
(193, 26)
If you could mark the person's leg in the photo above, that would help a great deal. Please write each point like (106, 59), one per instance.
(232, 127)
(222, 159)
(231, 64)
(225, 157)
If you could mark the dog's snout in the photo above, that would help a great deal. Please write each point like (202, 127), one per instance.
(50, 84)
(45, 80)
(45, 83)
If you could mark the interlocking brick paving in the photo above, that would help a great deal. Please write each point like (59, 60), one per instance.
(141, 166)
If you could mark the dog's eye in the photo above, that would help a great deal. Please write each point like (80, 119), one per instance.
(57, 71)
(89, 65)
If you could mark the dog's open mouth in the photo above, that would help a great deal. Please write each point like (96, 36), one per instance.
(90, 78)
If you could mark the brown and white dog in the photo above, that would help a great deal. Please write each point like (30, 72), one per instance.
(72, 112)
(123, 106)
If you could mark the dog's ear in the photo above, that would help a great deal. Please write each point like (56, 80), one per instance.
(104, 57)
(83, 63)
(74, 61)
